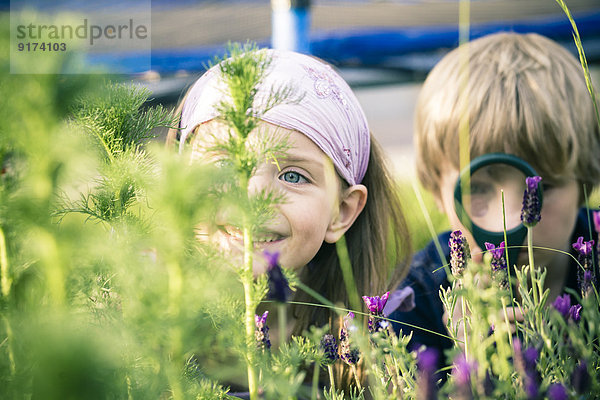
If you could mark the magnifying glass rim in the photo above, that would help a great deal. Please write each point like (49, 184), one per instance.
(480, 162)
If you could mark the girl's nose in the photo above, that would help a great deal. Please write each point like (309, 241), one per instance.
(258, 183)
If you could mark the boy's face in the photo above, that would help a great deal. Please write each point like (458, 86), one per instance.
(310, 189)
(558, 217)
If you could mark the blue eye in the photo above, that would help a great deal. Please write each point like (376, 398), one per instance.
(293, 177)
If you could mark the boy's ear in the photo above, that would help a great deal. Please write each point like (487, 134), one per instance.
(352, 202)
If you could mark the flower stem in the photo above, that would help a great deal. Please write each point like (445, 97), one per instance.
(282, 319)
(531, 264)
(346, 266)
(464, 321)
(503, 299)
(331, 380)
(4, 278)
(250, 311)
(355, 373)
(315, 382)
(9, 340)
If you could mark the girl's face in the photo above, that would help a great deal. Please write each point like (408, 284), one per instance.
(314, 207)
(558, 217)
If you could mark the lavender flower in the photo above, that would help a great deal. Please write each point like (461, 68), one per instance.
(562, 304)
(460, 253)
(580, 378)
(530, 212)
(262, 331)
(584, 249)
(330, 349)
(575, 313)
(279, 288)
(525, 363)
(498, 264)
(427, 363)
(557, 391)
(585, 254)
(348, 354)
(375, 305)
(530, 355)
(461, 373)
(532, 377)
(596, 219)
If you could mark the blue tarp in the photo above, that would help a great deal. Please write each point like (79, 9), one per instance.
(372, 46)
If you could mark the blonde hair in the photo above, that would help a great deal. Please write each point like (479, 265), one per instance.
(526, 95)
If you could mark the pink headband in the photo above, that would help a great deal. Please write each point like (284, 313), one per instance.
(329, 113)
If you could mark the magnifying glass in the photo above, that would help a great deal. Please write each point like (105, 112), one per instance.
(480, 208)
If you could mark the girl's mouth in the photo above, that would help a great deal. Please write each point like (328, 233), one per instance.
(259, 239)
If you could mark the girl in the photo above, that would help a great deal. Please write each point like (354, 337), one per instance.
(327, 126)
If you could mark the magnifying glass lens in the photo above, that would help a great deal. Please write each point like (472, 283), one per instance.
(484, 203)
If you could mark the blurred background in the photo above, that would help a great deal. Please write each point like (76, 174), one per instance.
(383, 48)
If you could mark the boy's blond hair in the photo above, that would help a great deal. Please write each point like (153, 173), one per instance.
(526, 95)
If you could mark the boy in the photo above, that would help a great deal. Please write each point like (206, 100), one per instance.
(525, 96)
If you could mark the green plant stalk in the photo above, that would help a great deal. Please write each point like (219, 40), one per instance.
(9, 340)
(512, 297)
(55, 275)
(464, 321)
(247, 282)
(6, 281)
(282, 319)
(175, 290)
(314, 394)
(392, 374)
(506, 320)
(355, 373)
(531, 264)
(331, 378)
(464, 147)
(430, 227)
(582, 58)
(346, 266)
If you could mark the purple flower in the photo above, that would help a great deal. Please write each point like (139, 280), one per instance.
(498, 264)
(427, 363)
(557, 391)
(596, 219)
(580, 378)
(496, 252)
(461, 373)
(530, 356)
(532, 388)
(525, 364)
(586, 282)
(262, 331)
(375, 305)
(460, 253)
(350, 355)
(279, 288)
(330, 349)
(562, 304)
(585, 275)
(583, 248)
(530, 212)
(575, 313)
(427, 359)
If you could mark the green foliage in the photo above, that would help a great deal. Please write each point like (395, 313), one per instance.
(109, 294)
